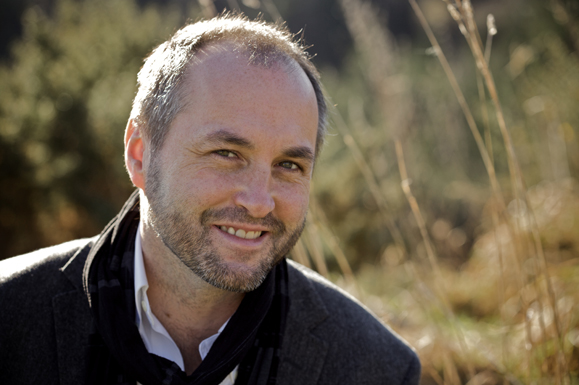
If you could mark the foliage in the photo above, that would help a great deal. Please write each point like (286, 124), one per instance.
(64, 101)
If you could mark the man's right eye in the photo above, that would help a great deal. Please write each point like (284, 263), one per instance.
(226, 153)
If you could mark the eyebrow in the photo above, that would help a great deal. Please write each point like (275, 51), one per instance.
(225, 136)
(300, 152)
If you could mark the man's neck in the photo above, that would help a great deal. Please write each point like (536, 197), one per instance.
(189, 308)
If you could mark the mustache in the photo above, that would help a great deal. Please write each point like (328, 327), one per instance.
(238, 214)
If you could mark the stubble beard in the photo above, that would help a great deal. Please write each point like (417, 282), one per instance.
(187, 235)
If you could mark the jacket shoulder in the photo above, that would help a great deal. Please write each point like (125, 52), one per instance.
(44, 315)
(359, 347)
(54, 256)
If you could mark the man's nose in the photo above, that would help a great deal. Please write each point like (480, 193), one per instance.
(255, 194)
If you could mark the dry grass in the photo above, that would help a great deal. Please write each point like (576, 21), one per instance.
(507, 315)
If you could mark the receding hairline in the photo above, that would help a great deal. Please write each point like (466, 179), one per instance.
(161, 87)
(267, 56)
(277, 62)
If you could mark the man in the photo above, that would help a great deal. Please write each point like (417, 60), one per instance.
(188, 284)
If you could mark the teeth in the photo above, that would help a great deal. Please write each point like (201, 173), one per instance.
(241, 233)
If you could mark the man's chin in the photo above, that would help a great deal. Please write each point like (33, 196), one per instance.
(235, 284)
(235, 277)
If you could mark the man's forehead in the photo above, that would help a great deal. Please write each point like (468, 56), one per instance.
(224, 63)
(223, 88)
(237, 57)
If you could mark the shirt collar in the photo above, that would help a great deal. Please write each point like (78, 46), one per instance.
(155, 337)
(141, 282)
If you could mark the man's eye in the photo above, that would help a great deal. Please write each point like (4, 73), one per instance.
(289, 165)
(226, 153)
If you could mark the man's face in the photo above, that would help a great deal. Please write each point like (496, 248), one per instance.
(228, 191)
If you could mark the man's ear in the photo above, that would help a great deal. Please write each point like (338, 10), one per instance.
(134, 154)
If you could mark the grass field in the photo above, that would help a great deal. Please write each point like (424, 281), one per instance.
(469, 250)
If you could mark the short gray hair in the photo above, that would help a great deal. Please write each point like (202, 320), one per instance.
(160, 80)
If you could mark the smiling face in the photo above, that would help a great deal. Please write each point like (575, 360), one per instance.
(228, 190)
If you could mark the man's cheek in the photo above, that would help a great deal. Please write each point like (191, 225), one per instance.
(293, 209)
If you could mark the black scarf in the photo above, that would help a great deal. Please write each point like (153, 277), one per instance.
(116, 353)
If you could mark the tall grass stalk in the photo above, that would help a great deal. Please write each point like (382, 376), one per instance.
(368, 34)
(319, 218)
(491, 31)
(405, 184)
(272, 10)
(371, 180)
(461, 101)
(314, 245)
(208, 8)
(467, 13)
(462, 13)
(439, 279)
(299, 253)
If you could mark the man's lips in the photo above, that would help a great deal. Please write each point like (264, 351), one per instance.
(246, 233)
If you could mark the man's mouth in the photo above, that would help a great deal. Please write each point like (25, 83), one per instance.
(240, 233)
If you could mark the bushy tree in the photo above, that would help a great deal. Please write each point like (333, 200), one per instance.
(65, 98)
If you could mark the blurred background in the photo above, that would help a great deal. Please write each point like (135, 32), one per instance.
(446, 198)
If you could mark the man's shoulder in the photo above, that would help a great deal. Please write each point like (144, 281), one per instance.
(357, 345)
(334, 297)
(336, 305)
(38, 263)
(44, 314)
(334, 338)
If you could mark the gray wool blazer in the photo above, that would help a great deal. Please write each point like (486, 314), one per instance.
(330, 338)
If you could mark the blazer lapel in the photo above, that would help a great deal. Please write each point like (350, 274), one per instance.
(72, 322)
(304, 353)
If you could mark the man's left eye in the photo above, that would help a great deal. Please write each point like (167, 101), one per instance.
(289, 165)
(226, 153)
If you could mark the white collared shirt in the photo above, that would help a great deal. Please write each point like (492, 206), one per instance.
(155, 337)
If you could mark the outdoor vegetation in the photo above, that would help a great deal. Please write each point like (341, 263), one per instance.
(446, 198)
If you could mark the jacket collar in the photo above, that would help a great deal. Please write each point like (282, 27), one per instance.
(72, 319)
(303, 353)
(75, 265)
